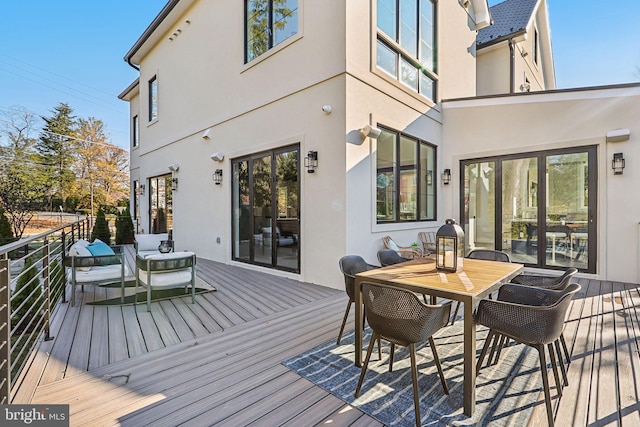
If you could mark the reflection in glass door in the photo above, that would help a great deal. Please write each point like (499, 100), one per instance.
(520, 209)
(479, 205)
(265, 209)
(538, 207)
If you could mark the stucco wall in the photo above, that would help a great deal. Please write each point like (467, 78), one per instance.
(533, 122)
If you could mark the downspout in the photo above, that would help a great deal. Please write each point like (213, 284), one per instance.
(512, 66)
(132, 65)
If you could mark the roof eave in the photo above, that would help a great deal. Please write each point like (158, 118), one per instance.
(514, 35)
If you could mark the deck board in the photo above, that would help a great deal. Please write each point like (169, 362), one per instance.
(219, 360)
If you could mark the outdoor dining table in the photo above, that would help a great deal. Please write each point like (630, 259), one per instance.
(478, 279)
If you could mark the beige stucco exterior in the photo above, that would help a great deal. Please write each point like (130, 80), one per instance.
(532, 72)
(498, 126)
(196, 54)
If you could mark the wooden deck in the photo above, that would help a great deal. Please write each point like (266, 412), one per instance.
(218, 362)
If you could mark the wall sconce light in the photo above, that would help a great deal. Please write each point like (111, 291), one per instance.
(446, 176)
(311, 161)
(370, 132)
(141, 190)
(217, 176)
(617, 164)
(429, 177)
(217, 157)
(174, 184)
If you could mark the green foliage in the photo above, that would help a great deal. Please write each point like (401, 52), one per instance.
(27, 284)
(6, 233)
(101, 228)
(124, 228)
(56, 279)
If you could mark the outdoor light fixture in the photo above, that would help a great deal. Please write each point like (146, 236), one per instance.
(617, 164)
(446, 176)
(141, 190)
(206, 134)
(174, 184)
(174, 167)
(311, 161)
(450, 247)
(370, 132)
(217, 157)
(217, 176)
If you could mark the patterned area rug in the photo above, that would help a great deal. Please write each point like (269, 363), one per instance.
(505, 395)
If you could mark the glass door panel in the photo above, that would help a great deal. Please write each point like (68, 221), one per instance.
(288, 225)
(262, 215)
(479, 206)
(567, 210)
(520, 209)
(243, 236)
(266, 206)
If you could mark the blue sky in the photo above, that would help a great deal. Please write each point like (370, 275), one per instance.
(71, 51)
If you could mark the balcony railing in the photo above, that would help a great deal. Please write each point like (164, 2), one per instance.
(32, 283)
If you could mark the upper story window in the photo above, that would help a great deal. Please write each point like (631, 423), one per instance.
(406, 47)
(536, 45)
(135, 134)
(405, 178)
(153, 99)
(268, 23)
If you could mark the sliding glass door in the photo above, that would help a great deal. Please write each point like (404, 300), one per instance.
(266, 224)
(540, 208)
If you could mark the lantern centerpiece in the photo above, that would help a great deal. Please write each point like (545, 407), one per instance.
(450, 247)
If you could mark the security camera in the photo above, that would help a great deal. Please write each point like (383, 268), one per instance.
(327, 109)
(217, 157)
(370, 132)
(174, 167)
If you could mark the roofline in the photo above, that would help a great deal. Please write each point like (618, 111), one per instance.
(125, 93)
(547, 92)
(166, 10)
(502, 39)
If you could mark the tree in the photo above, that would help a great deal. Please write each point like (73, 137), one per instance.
(27, 289)
(22, 178)
(124, 228)
(101, 228)
(6, 232)
(101, 167)
(55, 148)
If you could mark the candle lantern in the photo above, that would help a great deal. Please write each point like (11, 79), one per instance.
(450, 247)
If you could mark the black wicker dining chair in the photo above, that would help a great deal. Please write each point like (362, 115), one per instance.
(350, 265)
(537, 326)
(398, 316)
(487, 255)
(389, 257)
(547, 282)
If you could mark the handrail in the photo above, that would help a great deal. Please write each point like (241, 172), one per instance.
(18, 244)
(31, 286)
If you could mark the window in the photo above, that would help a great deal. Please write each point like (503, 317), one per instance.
(136, 203)
(153, 99)
(135, 131)
(161, 204)
(405, 184)
(406, 43)
(536, 45)
(268, 23)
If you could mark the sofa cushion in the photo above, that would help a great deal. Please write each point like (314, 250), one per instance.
(150, 242)
(98, 248)
(167, 279)
(171, 255)
(77, 249)
(100, 274)
(82, 242)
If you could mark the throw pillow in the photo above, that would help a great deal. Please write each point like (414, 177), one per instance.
(78, 250)
(100, 248)
(392, 245)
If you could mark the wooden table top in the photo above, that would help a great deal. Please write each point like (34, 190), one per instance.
(474, 279)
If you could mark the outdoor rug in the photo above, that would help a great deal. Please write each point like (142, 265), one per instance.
(505, 393)
(156, 295)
